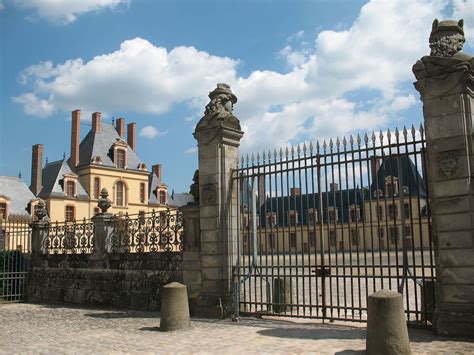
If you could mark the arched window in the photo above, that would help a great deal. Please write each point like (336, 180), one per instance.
(142, 192)
(119, 193)
(70, 188)
(96, 187)
(163, 197)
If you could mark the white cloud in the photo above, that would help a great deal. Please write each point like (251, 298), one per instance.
(65, 11)
(2, 5)
(34, 106)
(191, 150)
(151, 132)
(321, 96)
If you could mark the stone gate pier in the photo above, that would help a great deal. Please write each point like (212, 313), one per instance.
(445, 80)
(211, 225)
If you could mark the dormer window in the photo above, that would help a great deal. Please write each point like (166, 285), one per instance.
(332, 213)
(271, 219)
(391, 186)
(293, 217)
(70, 188)
(142, 167)
(313, 216)
(3, 210)
(97, 160)
(355, 213)
(120, 158)
(162, 197)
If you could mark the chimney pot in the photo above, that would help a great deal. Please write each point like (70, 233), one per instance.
(157, 170)
(36, 169)
(120, 126)
(295, 191)
(96, 122)
(131, 135)
(75, 132)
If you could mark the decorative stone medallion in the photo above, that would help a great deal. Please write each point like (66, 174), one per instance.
(209, 195)
(449, 164)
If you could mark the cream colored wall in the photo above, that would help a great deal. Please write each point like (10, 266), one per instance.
(108, 179)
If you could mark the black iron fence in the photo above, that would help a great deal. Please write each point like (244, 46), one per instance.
(322, 226)
(157, 231)
(15, 249)
(75, 237)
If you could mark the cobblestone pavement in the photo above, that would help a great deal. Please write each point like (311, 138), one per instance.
(32, 328)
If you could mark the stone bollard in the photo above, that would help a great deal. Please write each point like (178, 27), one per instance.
(174, 307)
(281, 295)
(387, 331)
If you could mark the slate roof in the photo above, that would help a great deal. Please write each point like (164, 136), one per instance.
(100, 144)
(18, 193)
(342, 199)
(410, 176)
(53, 180)
(179, 199)
(153, 182)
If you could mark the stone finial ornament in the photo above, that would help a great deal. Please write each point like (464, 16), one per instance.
(446, 56)
(219, 110)
(104, 202)
(446, 38)
(194, 188)
(40, 210)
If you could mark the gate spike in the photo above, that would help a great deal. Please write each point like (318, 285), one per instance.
(330, 143)
(317, 146)
(298, 150)
(311, 148)
(351, 140)
(338, 142)
(344, 142)
(304, 148)
(286, 152)
(252, 158)
(397, 134)
(275, 155)
(358, 139)
(242, 161)
(258, 157)
(389, 135)
(381, 137)
(404, 132)
(281, 153)
(421, 129)
(264, 156)
(366, 138)
(247, 159)
(292, 151)
(373, 137)
(324, 145)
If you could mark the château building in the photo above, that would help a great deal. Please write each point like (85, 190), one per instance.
(106, 157)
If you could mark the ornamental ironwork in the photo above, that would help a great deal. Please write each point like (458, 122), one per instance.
(76, 237)
(157, 231)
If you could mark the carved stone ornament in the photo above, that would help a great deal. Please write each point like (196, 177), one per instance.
(449, 164)
(104, 202)
(194, 188)
(218, 111)
(445, 67)
(40, 210)
(209, 194)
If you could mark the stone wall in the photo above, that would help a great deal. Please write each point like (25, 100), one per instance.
(116, 280)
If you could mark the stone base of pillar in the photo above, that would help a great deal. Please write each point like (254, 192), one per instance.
(211, 306)
(454, 320)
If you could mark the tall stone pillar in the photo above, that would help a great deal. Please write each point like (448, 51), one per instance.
(218, 134)
(445, 80)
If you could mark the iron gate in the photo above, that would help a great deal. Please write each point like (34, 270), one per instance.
(325, 225)
(15, 249)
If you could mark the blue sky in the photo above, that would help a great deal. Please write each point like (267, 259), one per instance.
(302, 70)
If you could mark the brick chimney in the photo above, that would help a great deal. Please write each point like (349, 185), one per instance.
(295, 191)
(374, 166)
(157, 170)
(131, 135)
(120, 126)
(333, 186)
(75, 131)
(96, 122)
(36, 169)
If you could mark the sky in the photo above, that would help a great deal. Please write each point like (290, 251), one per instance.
(301, 70)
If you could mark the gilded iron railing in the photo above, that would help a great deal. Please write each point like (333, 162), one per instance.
(76, 237)
(156, 231)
